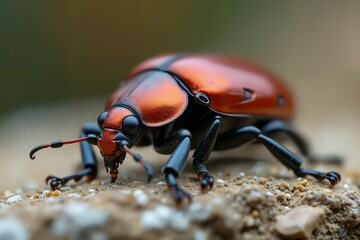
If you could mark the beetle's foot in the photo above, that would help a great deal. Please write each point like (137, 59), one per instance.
(206, 181)
(333, 177)
(180, 195)
(55, 182)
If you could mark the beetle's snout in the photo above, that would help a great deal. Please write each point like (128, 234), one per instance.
(108, 144)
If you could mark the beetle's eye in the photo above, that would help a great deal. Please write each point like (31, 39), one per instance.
(101, 120)
(130, 125)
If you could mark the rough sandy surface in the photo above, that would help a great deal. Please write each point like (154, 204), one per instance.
(252, 195)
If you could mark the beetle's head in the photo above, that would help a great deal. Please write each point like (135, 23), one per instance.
(121, 129)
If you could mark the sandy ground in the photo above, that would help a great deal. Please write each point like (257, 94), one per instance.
(254, 196)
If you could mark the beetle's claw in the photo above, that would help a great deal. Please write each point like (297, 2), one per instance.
(333, 177)
(55, 182)
(180, 195)
(207, 183)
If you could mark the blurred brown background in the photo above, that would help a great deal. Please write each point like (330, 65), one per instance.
(59, 61)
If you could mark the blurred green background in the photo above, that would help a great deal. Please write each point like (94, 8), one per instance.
(61, 50)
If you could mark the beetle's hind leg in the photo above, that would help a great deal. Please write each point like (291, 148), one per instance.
(277, 126)
(202, 154)
(88, 159)
(285, 156)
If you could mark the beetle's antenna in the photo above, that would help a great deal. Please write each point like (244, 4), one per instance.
(138, 158)
(56, 144)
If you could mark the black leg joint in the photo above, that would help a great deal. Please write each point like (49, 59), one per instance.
(177, 160)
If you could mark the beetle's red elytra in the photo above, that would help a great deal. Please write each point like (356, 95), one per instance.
(178, 102)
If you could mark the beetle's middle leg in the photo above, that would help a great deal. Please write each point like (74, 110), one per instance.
(88, 158)
(203, 152)
(285, 156)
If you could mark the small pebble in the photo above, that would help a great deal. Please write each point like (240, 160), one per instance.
(299, 223)
(46, 193)
(91, 190)
(65, 188)
(249, 222)
(255, 214)
(77, 218)
(262, 181)
(200, 235)
(56, 193)
(141, 198)
(161, 183)
(269, 193)
(326, 191)
(220, 181)
(303, 182)
(288, 196)
(73, 195)
(158, 218)
(241, 174)
(198, 212)
(15, 198)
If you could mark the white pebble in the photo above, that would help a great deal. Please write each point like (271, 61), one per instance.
(161, 183)
(241, 174)
(157, 218)
(73, 195)
(79, 220)
(46, 193)
(200, 235)
(91, 195)
(15, 198)
(220, 181)
(141, 198)
(269, 193)
(12, 228)
(91, 190)
(179, 221)
(125, 191)
(65, 188)
(162, 217)
(198, 212)
(278, 191)
(250, 222)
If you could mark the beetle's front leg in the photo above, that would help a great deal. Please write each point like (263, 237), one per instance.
(176, 162)
(88, 158)
(203, 152)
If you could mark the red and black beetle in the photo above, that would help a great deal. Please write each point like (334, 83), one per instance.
(184, 101)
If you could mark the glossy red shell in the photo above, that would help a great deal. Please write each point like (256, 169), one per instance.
(156, 96)
(234, 86)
